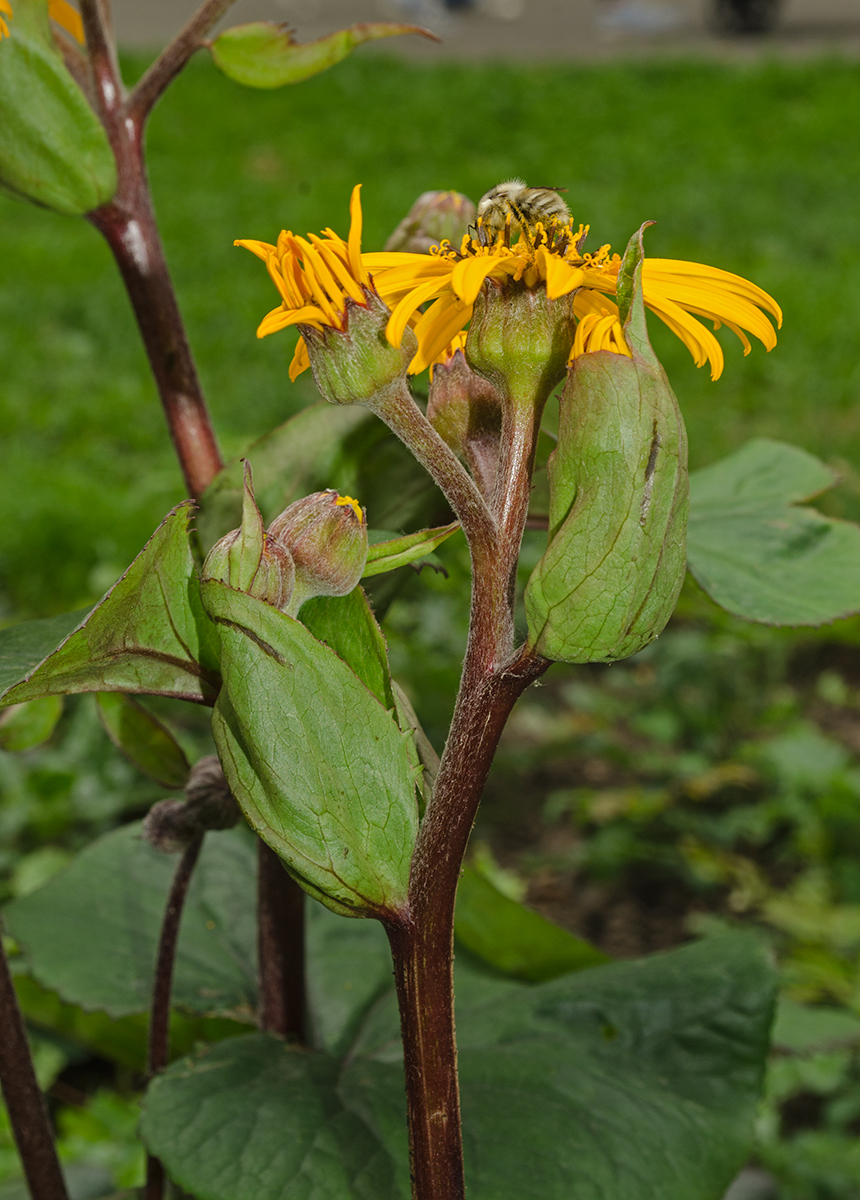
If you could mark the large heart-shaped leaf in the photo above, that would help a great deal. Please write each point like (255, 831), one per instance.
(24, 646)
(758, 552)
(347, 625)
(628, 1081)
(264, 55)
(319, 767)
(91, 933)
(148, 635)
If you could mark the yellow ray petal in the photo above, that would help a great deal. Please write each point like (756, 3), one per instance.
(67, 17)
(468, 276)
(436, 328)
(301, 361)
(355, 223)
(701, 343)
(399, 318)
(669, 268)
(279, 318)
(337, 269)
(561, 278)
(261, 249)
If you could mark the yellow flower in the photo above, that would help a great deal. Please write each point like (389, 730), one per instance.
(59, 10)
(316, 276)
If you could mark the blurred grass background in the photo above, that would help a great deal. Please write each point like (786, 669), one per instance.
(754, 168)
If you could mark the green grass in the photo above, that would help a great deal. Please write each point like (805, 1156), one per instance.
(752, 168)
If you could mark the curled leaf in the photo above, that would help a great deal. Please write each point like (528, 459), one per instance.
(262, 54)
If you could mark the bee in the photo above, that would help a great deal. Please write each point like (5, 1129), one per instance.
(514, 206)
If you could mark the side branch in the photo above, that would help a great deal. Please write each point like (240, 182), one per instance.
(173, 59)
(280, 948)
(24, 1101)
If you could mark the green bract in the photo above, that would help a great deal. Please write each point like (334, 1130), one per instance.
(53, 149)
(615, 562)
(319, 767)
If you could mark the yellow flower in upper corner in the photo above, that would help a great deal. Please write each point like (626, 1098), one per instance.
(315, 277)
(678, 292)
(59, 10)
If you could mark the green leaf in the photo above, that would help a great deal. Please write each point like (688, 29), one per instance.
(91, 932)
(515, 939)
(759, 555)
(53, 149)
(24, 646)
(348, 626)
(264, 55)
(122, 1040)
(625, 1082)
(143, 739)
(24, 726)
(319, 767)
(399, 552)
(149, 634)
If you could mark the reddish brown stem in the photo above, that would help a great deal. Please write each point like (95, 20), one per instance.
(158, 1050)
(28, 1115)
(174, 58)
(281, 948)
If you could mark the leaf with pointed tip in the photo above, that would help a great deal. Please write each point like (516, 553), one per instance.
(401, 551)
(148, 635)
(261, 54)
(143, 739)
(348, 626)
(633, 1080)
(758, 552)
(514, 939)
(320, 769)
(24, 726)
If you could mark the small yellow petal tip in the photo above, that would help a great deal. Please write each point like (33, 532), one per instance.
(353, 504)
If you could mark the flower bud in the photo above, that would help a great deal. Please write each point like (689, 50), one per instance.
(358, 363)
(520, 340)
(249, 559)
(616, 557)
(466, 412)
(433, 218)
(326, 536)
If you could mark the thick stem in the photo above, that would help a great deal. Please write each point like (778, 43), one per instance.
(281, 948)
(173, 58)
(25, 1104)
(422, 949)
(158, 1051)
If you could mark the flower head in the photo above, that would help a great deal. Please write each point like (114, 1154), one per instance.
(315, 277)
(434, 294)
(678, 292)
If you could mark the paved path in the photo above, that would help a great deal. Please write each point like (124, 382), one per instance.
(529, 29)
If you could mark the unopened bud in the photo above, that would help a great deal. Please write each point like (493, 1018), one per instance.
(616, 558)
(520, 340)
(325, 534)
(249, 559)
(172, 825)
(466, 412)
(433, 218)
